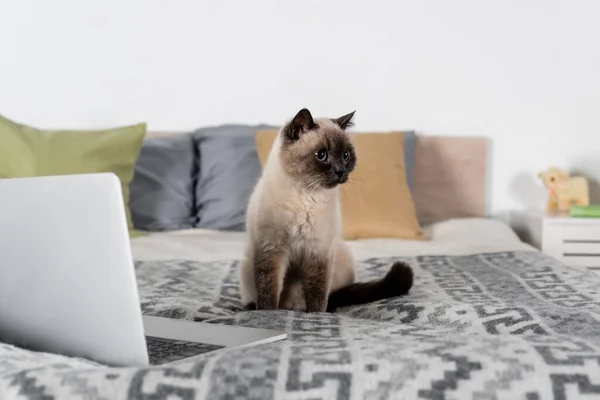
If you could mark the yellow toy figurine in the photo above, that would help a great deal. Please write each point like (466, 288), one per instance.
(564, 190)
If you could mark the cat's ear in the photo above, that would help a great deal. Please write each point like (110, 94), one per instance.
(301, 123)
(345, 121)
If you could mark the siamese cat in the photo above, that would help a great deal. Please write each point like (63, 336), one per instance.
(295, 257)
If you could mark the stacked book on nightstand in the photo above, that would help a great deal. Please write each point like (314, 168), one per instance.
(592, 211)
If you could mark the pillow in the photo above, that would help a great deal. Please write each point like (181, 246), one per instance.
(377, 203)
(229, 169)
(28, 152)
(162, 189)
(409, 145)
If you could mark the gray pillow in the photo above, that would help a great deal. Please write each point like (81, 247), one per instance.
(410, 143)
(162, 189)
(229, 169)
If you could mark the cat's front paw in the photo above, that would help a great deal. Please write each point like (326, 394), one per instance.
(320, 306)
(266, 304)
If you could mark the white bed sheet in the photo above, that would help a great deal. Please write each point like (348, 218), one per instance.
(452, 237)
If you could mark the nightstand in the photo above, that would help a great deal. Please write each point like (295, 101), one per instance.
(574, 241)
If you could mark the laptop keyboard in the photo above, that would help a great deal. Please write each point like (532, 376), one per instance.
(163, 350)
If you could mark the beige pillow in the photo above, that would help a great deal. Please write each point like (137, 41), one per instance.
(376, 203)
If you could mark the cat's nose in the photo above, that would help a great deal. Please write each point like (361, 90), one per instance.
(340, 173)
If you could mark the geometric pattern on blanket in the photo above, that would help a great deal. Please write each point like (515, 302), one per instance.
(511, 325)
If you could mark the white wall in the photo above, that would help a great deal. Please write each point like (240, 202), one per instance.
(525, 73)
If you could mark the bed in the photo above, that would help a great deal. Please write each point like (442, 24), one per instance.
(489, 317)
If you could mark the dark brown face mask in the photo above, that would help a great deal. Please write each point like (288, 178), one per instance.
(318, 153)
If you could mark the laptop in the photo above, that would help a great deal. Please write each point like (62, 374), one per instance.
(68, 284)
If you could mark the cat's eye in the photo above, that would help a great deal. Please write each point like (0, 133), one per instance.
(321, 155)
(346, 156)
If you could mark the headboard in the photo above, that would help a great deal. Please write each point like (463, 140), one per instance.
(450, 177)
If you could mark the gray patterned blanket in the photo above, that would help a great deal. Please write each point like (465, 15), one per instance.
(486, 326)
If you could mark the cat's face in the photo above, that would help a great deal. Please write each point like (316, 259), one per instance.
(317, 153)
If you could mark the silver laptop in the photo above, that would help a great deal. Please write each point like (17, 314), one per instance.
(67, 280)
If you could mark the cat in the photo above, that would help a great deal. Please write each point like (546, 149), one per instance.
(295, 257)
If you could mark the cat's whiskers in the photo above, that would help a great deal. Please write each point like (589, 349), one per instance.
(314, 187)
(309, 186)
(352, 185)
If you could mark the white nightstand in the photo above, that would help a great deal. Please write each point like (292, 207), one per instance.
(574, 241)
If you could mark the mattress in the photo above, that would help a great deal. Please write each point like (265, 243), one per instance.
(487, 318)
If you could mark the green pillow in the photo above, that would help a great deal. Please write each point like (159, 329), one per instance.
(27, 151)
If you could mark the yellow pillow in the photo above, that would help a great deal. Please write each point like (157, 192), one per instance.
(376, 202)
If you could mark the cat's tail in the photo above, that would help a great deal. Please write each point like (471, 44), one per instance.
(396, 282)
